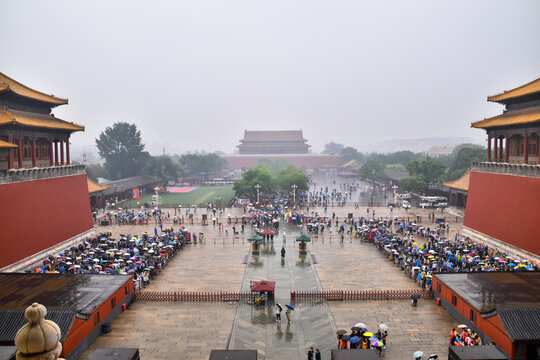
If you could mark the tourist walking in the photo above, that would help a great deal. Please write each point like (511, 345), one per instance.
(310, 354)
(278, 310)
(317, 355)
(283, 251)
(288, 313)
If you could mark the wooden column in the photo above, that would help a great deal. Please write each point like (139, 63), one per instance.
(489, 149)
(55, 153)
(34, 157)
(68, 161)
(20, 153)
(61, 152)
(51, 153)
(506, 150)
(495, 152)
(526, 150)
(10, 155)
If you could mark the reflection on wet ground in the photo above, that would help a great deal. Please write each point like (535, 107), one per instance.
(255, 327)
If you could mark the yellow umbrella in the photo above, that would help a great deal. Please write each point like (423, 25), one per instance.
(368, 334)
(431, 257)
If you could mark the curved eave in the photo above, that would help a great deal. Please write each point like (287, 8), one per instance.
(460, 184)
(530, 88)
(8, 84)
(16, 118)
(507, 119)
(7, 145)
(94, 187)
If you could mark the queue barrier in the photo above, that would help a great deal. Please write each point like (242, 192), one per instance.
(195, 296)
(340, 295)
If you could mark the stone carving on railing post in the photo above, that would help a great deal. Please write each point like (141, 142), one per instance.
(40, 338)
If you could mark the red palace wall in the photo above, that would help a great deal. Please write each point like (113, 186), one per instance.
(505, 207)
(35, 215)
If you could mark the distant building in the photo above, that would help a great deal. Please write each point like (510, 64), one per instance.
(273, 142)
(504, 192)
(44, 198)
(287, 145)
(458, 190)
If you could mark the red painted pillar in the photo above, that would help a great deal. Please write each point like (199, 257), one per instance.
(506, 150)
(501, 149)
(10, 156)
(526, 152)
(20, 153)
(495, 149)
(34, 158)
(68, 160)
(489, 149)
(55, 153)
(61, 152)
(51, 153)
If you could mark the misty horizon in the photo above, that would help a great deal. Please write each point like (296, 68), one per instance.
(192, 76)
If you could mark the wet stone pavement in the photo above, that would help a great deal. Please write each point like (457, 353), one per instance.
(255, 327)
(189, 330)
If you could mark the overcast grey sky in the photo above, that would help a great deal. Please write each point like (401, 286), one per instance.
(192, 75)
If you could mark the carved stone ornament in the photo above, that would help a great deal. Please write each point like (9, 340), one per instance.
(40, 338)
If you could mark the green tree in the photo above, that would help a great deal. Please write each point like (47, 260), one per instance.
(288, 176)
(350, 153)
(372, 170)
(413, 183)
(121, 147)
(258, 175)
(463, 160)
(163, 168)
(430, 169)
(332, 148)
(202, 165)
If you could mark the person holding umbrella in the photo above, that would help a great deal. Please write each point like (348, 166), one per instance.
(288, 312)
(278, 310)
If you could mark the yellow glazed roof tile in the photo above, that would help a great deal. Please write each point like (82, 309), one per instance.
(509, 118)
(22, 118)
(462, 183)
(527, 89)
(7, 83)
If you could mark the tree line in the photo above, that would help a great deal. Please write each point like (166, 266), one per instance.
(422, 169)
(122, 149)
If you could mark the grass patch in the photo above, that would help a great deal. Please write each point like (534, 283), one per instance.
(199, 197)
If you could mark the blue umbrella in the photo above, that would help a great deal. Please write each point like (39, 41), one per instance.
(511, 264)
(289, 306)
(354, 339)
(373, 338)
(417, 354)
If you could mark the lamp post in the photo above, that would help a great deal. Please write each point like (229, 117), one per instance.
(294, 187)
(258, 187)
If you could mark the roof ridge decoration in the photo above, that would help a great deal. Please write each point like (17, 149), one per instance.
(7, 83)
(526, 89)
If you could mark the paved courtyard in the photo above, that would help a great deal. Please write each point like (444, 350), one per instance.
(189, 330)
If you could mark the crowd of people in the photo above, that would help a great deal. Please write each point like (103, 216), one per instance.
(361, 338)
(143, 256)
(464, 337)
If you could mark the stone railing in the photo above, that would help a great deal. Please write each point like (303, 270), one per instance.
(19, 175)
(507, 169)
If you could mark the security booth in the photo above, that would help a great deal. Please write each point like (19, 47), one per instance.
(255, 241)
(302, 246)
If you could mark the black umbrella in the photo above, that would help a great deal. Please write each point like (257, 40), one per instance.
(345, 338)
(341, 332)
(415, 297)
(356, 328)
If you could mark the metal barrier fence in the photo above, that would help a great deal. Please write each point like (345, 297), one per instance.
(362, 294)
(194, 295)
